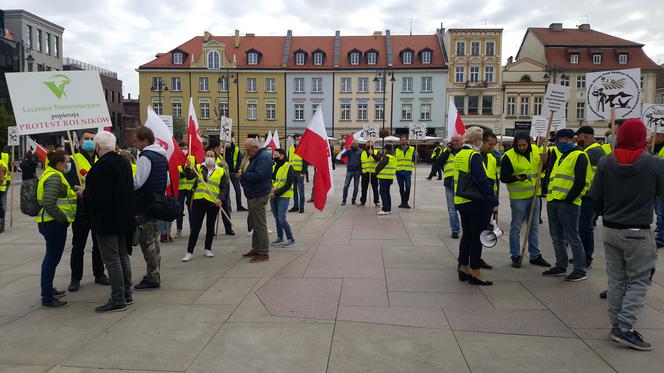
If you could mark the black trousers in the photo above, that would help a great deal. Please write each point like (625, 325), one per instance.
(199, 209)
(226, 205)
(80, 230)
(365, 187)
(436, 168)
(470, 247)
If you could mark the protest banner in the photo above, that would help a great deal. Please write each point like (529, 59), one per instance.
(225, 131)
(555, 100)
(370, 132)
(539, 124)
(617, 91)
(417, 132)
(12, 136)
(653, 117)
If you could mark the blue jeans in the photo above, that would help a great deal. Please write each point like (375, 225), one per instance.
(55, 235)
(298, 195)
(355, 177)
(586, 229)
(384, 190)
(279, 209)
(165, 227)
(564, 227)
(520, 210)
(3, 208)
(659, 210)
(184, 199)
(451, 210)
(404, 180)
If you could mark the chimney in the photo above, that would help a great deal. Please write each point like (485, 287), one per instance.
(237, 38)
(377, 33)
(556, 27)
(584, 27)
(206, 36)
(128, 96)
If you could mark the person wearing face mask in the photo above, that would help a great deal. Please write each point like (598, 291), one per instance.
(300, 167)
(405, 165)
(185, 188)
(59, 203)
(282, 192)
(570, 177)
(447, 160)
(206, 202)
(386, 173)
(234, 160)
(80, 228)
(353, 171)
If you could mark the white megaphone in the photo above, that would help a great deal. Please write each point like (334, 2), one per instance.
(489, 238)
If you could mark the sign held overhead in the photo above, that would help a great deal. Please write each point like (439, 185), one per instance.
(417, 131)
(370, 132)
(617, 90)
(653, 117)
(555, 100)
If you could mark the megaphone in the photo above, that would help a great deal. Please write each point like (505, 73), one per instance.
(489, 238)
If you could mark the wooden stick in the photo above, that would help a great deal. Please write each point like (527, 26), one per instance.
(370, 186)
(613, 130)
(652, 141)
(78, 171)
(11, 190)
(415, 175)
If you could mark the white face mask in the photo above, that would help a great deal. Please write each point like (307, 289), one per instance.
(209, 161)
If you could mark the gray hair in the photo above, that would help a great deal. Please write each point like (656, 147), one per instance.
(106, 141)
(473, 135)
(252, 142)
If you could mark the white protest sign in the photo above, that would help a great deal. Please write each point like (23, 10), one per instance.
(370, 132)
(417, 131)
(225, 130)
(53, 101)
(12, 136)
(555, 100)
(653, 117)
(168, 120)
(619, 90)
(539, 123)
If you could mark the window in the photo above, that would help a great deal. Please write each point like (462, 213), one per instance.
(317, 85)
(361, 111)
(525, 102)
(158, 108)
(490, 48)
(176, 109)
(475, 48)
(425, 112)
(105, 94)
(461, 48)
(48, 43)
(28, 39)
(574, 58)
(270, 111)
(622, 59)
(426, 57)
(474, 74)
(56, 46)
(459, 74)
(473, 105)
(406, 112)
(205, 110)
(580, 81)
(537, 105)
(112, 96)
(299, 58)
(252, 111)
(176, 83)
(177, 58)
(355, 58)
(252, 58)
(487, 105)
(597, 58)
(223, 84)
(30, 68)
(407, 58)
(39, 40)
(318, 58)
(251, 84)
(156, 83)
(314, 107)
(270, 85)
(580, 110)
(566, 106)
(345, 111)
(564, 80)
(299, 85)
(641, 83)
(203, 84)
(407, 84)
(379, 84)
(460, 103)
(488, 73)
(379, 112)
(223, 109)
(511, 105)
(363, 84)
(371, 58)
(213, 61)
(426, 84)
(299, 111)
(346, 85)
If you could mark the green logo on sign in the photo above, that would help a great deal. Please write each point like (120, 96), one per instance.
(57, 85)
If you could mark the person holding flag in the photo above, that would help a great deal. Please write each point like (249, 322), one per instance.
(314, 149)
(300, 168)
(185, 188)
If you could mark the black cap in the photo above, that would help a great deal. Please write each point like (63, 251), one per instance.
(585, 130)
(565, 132)
(388, 147)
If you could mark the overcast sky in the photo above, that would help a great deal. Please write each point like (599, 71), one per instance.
(122, 34)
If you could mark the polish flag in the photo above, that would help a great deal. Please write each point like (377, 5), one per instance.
(194, 135)
(165, 139)
(268, 140)
(37, 149)
(454, 123)
(275, 140)
(314, 148)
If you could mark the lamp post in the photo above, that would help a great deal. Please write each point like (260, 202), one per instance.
(381, 77)
(227, 78)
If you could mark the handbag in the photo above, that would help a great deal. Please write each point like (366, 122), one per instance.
(163, 207)
(467, 187)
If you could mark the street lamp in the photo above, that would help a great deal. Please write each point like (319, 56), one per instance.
(227, 77)
(162, 87)
(380, 77)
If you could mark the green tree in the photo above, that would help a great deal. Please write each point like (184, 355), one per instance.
(179, 128)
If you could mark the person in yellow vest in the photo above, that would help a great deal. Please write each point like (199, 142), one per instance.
(80, 228)
(569, 180)
(405, 165)
(518, 170)
(300, 168)
(5, 180)
(476, 201)
(282, 192)
(369, 159)
(58, 201)
(436, 166)
(185, 188)
(447, 160)
(207, 202)
(386, 170)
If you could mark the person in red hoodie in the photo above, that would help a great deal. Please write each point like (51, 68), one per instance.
(623, 192)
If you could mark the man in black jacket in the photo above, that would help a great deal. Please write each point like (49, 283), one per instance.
(234, 159)
(109, 200)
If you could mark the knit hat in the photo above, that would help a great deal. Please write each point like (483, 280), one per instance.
(632, 134)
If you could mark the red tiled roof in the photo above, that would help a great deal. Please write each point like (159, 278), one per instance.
(578, 37)
(363, 44)
(417, 43)
(310, 44)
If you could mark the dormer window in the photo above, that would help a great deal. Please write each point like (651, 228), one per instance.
(574, 58)
(622, 58)
(177, 58)
(407, 57)
(355, 58)
(300, 57)
(318, 57)
(597, 58)
(426, 57)
(372, 57)
(213, 60)
(252, 58)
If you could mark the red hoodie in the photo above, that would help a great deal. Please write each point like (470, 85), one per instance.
(627, 156)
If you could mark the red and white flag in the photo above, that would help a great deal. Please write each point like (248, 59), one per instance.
(165, 139)
(347, 142)
(194, 135)
(314, 148)
(275, 140)
(267, 141)
(454, 123)
(36, 149)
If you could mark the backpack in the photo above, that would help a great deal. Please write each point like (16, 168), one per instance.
(29, 203)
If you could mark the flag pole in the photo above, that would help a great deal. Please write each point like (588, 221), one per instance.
(415, 174)
(11, 190)
(78, 171)
(613, 129)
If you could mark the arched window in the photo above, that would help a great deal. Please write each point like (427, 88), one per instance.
(214, 60)
(525, 78)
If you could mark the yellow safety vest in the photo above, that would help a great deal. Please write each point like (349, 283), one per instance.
(4, 160)
(462, 164)
(593, 146)
(436, 152)
(368, 163)
(184, 183)
(405, 159)
(390, 170)
(491, 169)
(133, 169)
(562, 178)
(236, 153)
(280, 179)
(661, 153)
(529, 167)
(66, 204)
(448, 169)
(213, 183)
(83, 164)
(295, 160)
(607, 148)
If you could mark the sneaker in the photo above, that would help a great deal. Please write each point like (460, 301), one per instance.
(555, 271)
(589, 263)
(58, 293)
(241, 208)
(187, 257)
(343, 203)
(455, 235)
(485, 265)
(294, 209)
(353, 203)
(178, 234)
(110, 307)
(208, 254)
(406, 206)
(249, 254)
(250, 233)
(102, 280)
(55, 303)
(269, 231)
(383, 213)
(289, 243)
(74, 285)
(231, 233)
(516, 261)
(602, 295)
(576, 277)
(258, 258)
(277, 242)
(302, 210)
(129, 300)
(147, 285)
(162, 238)
(630, 338)
(401, 206)
(539, 261)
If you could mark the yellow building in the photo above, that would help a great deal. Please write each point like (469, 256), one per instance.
(524, 84)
